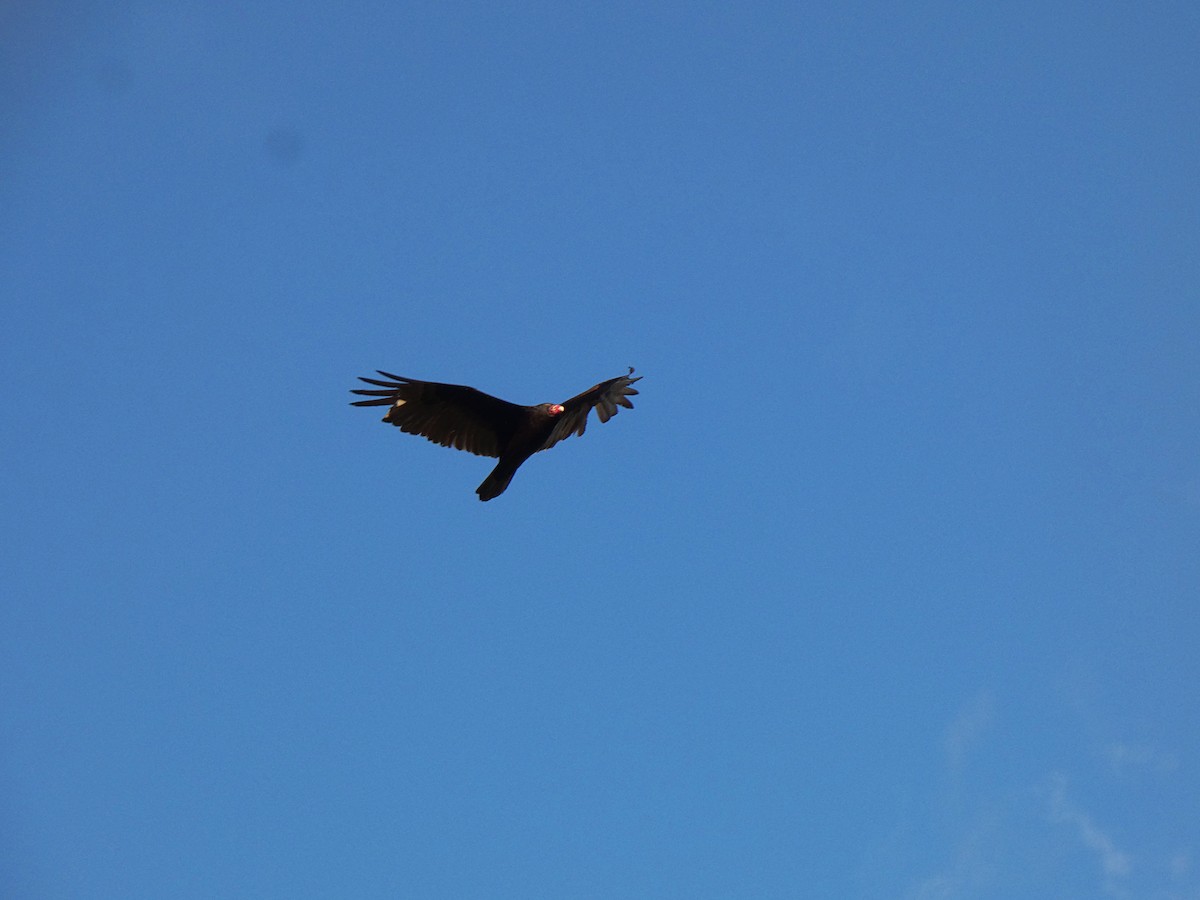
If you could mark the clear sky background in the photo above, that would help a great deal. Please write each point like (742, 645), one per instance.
(886, 589)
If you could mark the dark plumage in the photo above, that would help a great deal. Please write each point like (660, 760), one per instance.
(466, 419)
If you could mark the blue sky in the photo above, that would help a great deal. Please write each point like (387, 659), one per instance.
(886, 589)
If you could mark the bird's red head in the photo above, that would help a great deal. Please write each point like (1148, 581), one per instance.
(555, 409)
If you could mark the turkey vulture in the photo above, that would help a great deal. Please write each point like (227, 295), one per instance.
(466, 419)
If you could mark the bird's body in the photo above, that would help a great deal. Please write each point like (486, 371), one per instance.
(454, 415)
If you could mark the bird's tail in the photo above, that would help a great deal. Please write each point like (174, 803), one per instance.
(496, 483)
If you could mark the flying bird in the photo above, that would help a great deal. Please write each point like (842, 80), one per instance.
(466, 419)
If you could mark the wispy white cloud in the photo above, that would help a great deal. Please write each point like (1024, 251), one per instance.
(965, 731)
(1181, 864)
(984, 829)
(972, 868)
(1114, 863)
(972, 861)
(936, 887)
(1124, 758)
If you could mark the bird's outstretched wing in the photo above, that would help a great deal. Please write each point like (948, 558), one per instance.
(452, 415)
(604, 397)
